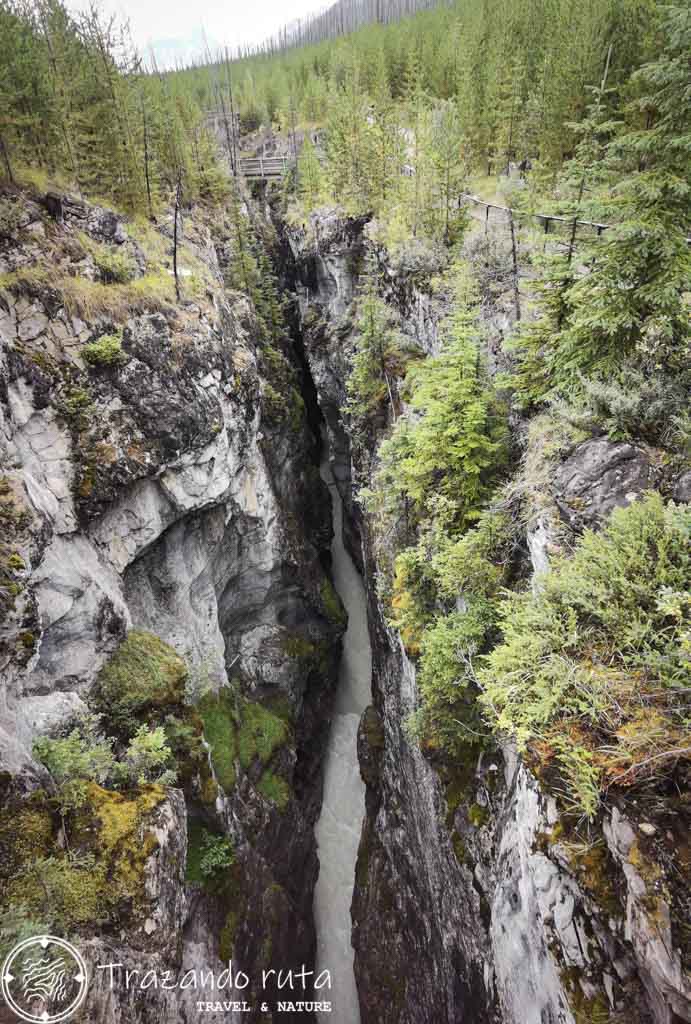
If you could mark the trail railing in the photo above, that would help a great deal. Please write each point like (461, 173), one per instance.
(546, 219)
(263, 168)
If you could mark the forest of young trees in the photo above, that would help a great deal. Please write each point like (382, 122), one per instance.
(462, 88)
(75, 104)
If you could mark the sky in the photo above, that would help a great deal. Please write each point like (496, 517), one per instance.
(174, 27)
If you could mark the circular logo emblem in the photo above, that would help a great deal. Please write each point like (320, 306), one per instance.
(44, 980)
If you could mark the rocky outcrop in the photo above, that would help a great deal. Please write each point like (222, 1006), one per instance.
(432, 961)
(149, 486)
(599, 476)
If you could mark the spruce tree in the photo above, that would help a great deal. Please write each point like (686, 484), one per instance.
(633, 300)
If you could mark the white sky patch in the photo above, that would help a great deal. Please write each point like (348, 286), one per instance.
(174, 27)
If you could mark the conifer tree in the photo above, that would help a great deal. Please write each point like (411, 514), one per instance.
(449, 161)
(310, 177)
(632, 302)
(371, 381)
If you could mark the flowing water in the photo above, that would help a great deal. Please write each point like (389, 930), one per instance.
(343, 808)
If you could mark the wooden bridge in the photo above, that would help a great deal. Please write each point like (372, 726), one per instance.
(264, 168)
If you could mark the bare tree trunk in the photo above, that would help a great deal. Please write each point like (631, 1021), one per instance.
(294, 139)
(229, 139)
(514, 256)
(145, 124)
(178, 189)
(59, 87)
(6, 159)
(234, 123)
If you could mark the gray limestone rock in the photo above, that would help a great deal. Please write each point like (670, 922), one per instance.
(599, 476)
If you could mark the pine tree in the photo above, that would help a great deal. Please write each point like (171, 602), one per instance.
(310, 177)
(449, 161)
(386, 142)
(540, 343)
(372, 377)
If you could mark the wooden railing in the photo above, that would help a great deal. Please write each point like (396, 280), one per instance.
(544, 218)
(264, 167)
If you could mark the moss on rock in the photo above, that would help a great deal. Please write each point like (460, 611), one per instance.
(144, 675)
(333, 608)
(100, 877)
(245, 733)
(275, 789)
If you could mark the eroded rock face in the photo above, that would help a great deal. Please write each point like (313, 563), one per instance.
(155, 493)
(472, 903)
(431, 960)
(598, 477)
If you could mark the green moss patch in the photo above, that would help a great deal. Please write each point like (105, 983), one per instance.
(275, 789)
(101, 877)
(106, 351)
(260, 734)
(333, 608)
(144, 675)
(219, 717)
(244, 732)
(26, 833)
(478, 815)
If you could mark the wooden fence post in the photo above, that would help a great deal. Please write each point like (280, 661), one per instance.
(514, 255)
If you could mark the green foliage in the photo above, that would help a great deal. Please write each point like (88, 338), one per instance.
(147, 759)
(86, 756)
(632, 303)
(101, 877)
(219, 715)
(260, 733)
(17, 924)
(14, 520)
(10, 217)
(73, 99)
(208, 855)
(632, 405)
(107, 351)
(115, 266)
(335, 612)
(442, 571)
(310, 177)
(378, 359)
(83, 756)
(275, 789)
(145, 676)
(592, 665)
(449, 717)
(282, 403)
(454, 446)
(217, 855)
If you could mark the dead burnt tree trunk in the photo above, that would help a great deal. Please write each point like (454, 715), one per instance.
(176, 233)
